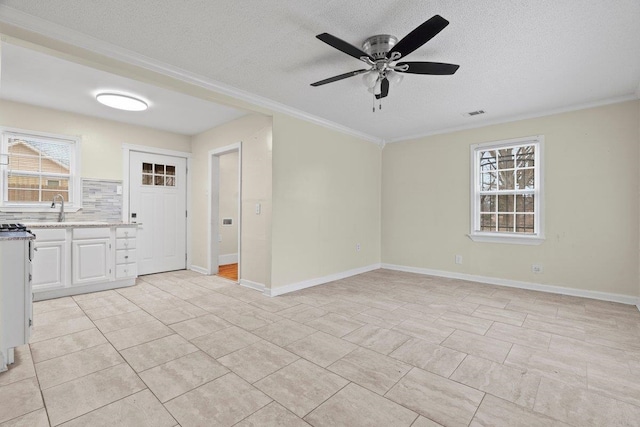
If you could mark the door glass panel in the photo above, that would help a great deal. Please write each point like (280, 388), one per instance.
(159, 180)
(147, 168)
(171, 170)
(159, 169)
(170, 181)
(147, 179)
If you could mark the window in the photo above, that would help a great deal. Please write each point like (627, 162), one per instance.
(159, 175)
(35, 167)
(506, 192)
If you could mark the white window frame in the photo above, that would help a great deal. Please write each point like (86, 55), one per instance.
(475, 234)
(75, 186)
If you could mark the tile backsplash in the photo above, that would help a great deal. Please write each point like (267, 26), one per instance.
(100, 202)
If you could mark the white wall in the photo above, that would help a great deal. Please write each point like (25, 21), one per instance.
(591, 202)
(326, 199)
(255, 133)
(228, 203)
(101, 156)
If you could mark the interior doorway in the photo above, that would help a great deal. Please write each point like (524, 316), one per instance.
(225, 211)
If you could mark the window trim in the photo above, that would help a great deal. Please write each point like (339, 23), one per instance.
(496, 237)
(75, 181)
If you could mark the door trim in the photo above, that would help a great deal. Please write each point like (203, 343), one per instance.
(213, 244)
(126, 153)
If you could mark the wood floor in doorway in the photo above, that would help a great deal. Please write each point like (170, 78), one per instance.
(228, 271)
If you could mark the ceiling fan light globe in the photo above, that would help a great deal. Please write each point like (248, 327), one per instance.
(370, 78)
(377, 89)
(394, 78)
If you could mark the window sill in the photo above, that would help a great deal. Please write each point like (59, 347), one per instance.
(38, 209)
(507, 238)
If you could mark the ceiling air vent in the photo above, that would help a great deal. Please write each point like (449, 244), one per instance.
(473, 113)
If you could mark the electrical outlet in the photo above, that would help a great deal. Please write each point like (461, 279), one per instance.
(458, 259)
(536, 268)
(357, 247)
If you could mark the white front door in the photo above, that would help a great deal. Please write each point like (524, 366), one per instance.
(158, 200)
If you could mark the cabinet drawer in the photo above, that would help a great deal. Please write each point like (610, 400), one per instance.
(91, 233)
(50, 235)
(125, 243)
(126, 270)
(126, 256)
(125, 232)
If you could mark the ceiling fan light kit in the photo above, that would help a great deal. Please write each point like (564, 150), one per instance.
(382, 53)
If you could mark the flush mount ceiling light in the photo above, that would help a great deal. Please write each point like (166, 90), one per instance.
(121, 102)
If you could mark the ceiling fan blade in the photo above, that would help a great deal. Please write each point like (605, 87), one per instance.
(433, 68)
(416, 38)
(340, 77)
(384, 89)
(342, 46)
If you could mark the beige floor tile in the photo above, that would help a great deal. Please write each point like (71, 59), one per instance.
(273, 304)
(594, 354)
(429, 332)
(430, 357)
(623, 386)
(178, 376)
(512, 384)
(478, 345)
(56, 316)
(301, 386)
(517, 335)
(199, 326)
(21, 369)
(258, 360)
(565, 327)
(225, 341)
(222, 402)
(111, 310)
(529, 307)
(464, 322)
(284, 332)
(345, 308)
(56, 347)
(138, 334)
(78, 397)
(444, 401)
(272, 415)
(321, 348)
(180, 314)
(19, 398)
(249, 318)
(215, 301)
(122, 321)
(488, 301)
(377, 339)
(510, 317)
(355, 406)
(580, 407)
(112, 298)
(138, 410)
(302, 313)
(60, 328)
(75, 365)
(555, 366)
(335, 324)
(495, 412)
(42, 307)
(32, 419)
(425, 422)
(369, 369)
(154, 353)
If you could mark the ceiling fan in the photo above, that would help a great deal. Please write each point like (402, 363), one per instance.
(382, 53)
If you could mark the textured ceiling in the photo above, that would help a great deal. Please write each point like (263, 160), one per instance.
(39, 79)
(517, 58)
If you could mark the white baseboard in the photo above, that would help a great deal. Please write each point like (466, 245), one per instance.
(77, 290)
(227, 259)
(199, 269)
(274, 292)
(253, 285)
(604, 296)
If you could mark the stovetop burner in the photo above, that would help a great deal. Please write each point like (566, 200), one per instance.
(12, 227)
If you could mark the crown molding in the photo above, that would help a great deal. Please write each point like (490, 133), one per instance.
(575, 107)
(25, 21)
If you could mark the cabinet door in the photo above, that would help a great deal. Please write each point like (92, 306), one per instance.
(49, 265)
(90, 261)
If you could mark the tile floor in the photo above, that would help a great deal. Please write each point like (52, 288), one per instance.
(379, 349)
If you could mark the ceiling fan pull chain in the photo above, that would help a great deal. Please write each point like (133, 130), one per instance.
(373, 102)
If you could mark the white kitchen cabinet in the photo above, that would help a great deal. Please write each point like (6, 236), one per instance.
(72, 259)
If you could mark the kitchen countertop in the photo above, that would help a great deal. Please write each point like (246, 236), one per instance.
(78, 224)
(16, 235)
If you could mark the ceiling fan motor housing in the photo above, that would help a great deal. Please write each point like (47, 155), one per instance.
(378, 46)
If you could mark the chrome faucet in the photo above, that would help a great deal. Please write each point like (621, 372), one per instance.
(53, 205)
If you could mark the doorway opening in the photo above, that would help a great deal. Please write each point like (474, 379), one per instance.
(225, 211)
